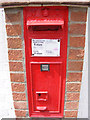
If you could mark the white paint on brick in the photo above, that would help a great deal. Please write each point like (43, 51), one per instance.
(6, 100)
(83, 102)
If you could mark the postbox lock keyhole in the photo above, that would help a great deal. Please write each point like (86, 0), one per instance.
(39, 94)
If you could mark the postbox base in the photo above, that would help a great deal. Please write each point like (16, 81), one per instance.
(50, 116)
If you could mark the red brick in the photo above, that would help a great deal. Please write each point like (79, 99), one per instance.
(77, 41)
(18, 87)
(19, 96)
(76, 54)
(15, 54)
(14, 43)
(73, 87)
(13, 17)
(17, 77)
(77, 29)
(79, 16)
(72, 77)
(13, 30)
(75, 65)
(73, 96)
(70, 114)
(20, 113)
(72, 105)
(20, 105)
(16, 66)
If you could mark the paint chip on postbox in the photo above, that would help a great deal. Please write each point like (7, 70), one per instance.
(44, 67)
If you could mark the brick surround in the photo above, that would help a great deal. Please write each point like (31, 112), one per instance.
(16, 55)
(75, 55)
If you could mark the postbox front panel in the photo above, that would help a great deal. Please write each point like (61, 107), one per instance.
(45, 33)
(46, 85)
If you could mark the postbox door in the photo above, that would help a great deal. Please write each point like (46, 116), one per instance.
(46, 87)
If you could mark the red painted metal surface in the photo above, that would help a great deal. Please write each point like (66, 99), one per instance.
(46, 89)
(45, 22)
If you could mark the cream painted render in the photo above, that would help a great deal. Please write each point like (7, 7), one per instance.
(83, 102)
(6, 100)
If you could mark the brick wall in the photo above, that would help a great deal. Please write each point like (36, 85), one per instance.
(75, 55)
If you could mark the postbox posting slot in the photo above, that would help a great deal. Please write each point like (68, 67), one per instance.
(46, 28)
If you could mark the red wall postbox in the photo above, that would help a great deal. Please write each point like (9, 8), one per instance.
(45, 33)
